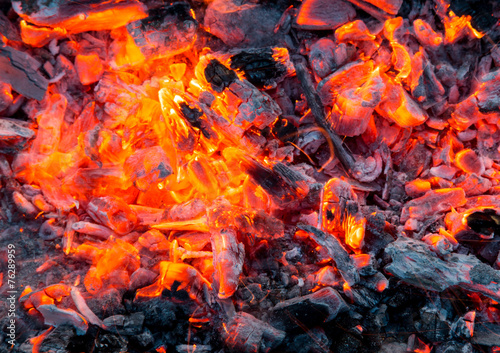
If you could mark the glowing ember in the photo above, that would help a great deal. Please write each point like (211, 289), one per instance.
(169, 168)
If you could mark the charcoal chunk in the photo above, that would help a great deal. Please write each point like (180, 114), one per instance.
(245, 333)
(219, 76)
(308, 310)
(167, 31)
(415, 263)
(486, 333)
(260, 68)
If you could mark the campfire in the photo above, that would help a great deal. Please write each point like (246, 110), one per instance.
(261, 176)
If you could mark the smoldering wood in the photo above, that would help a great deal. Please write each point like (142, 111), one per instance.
(337, 252)
(259, 66)
(318, 112)
(20, 70)
(80, 16)
(282, 183)
(277, 266)
(323, 15)
(168, 30)
(242, 25)
(14, 134)
(129, 325)
(294, 313)
(415, 263)
(245, 333)
(378, 9)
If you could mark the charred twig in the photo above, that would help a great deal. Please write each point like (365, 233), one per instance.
(318, 112)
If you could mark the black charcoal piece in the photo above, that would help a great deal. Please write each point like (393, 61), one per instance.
(245, 333)
(485, 222)
(282, 183)
(416, 264)
(486, 333)
(219, 76)
(193, 115)
(143, 341)
(125, 324)
(260, 68)
(284, 129)
(309, 310)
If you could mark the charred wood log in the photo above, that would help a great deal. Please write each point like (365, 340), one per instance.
(414, 263)
(228, 252)
(80, 16)
(20, 70)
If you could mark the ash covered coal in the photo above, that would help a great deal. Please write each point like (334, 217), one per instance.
(267, 176)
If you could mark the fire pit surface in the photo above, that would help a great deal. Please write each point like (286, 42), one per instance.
(250, 176)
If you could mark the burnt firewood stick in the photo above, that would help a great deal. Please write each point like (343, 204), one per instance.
(318, 112)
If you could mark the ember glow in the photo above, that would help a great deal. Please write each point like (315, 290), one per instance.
(239, 186)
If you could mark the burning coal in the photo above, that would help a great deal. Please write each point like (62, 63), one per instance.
(251, 176)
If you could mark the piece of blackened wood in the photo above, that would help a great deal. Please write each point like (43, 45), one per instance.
(80, 16)
(309, 310)
(486, 222)
(14, 134)
(219, 76)
(414, 263)
(486, 333)
(336, 251)
(167, 31)
(377, 237)
(20, 71)
(282, 183)
(245, 333)
(318, 111)
(194, 118)
(259, 66)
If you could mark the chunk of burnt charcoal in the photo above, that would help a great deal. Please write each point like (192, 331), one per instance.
(454, 347)
(169, 29)
(193, 115)
(219, 76)
(314, 341)
(485, 222)
(284, 130)
(125, 325)
(308, 310)
(158, 312)
(260, 68)
(142, 341)
(486, 333)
